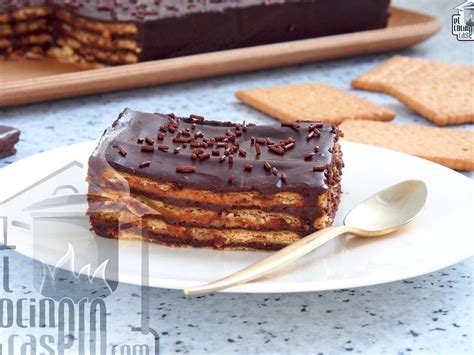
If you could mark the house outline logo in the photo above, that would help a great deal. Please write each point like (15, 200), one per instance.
(463, 21)
(24, 220)
(21, 224)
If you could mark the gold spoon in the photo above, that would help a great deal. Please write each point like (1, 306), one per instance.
(381, 214)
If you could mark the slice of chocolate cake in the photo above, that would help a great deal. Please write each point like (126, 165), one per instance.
(109, 32)
(9, 136)
(193, 182)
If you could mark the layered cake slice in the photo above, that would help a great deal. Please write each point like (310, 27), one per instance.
(193, 182)
(110, 32)
(9, 136)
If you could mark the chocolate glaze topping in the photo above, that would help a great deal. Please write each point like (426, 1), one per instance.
(209, 172)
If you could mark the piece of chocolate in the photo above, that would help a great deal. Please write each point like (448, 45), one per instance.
(263, 201)
(129, 31)
(9, 136)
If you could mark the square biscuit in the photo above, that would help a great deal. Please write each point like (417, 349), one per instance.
(312, 102)
(452, 148)
(400, 68)
(444, 102)
(441, 92)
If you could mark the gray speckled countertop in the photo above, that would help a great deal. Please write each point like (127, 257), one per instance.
(427, 314)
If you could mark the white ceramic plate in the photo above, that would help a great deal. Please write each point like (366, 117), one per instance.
(440, 236)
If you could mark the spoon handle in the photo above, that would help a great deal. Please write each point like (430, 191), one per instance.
(282, 257)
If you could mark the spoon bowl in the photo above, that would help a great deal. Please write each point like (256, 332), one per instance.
(388, 209)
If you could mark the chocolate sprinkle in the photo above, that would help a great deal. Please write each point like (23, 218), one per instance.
(204, 156)
(248, 167)
(319, 168)
(176, 150)
(144, 164)
(163, 147)
(277, 149)
(148, 149)
(257, 149)
(315, 125)
(122, 151)
(149, 140)
(267, 165)
(274, 171)
(181, 140)
(185, 169)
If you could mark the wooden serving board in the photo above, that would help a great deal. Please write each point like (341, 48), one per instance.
(28, 81)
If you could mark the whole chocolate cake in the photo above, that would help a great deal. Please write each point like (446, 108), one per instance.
(108, 32)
